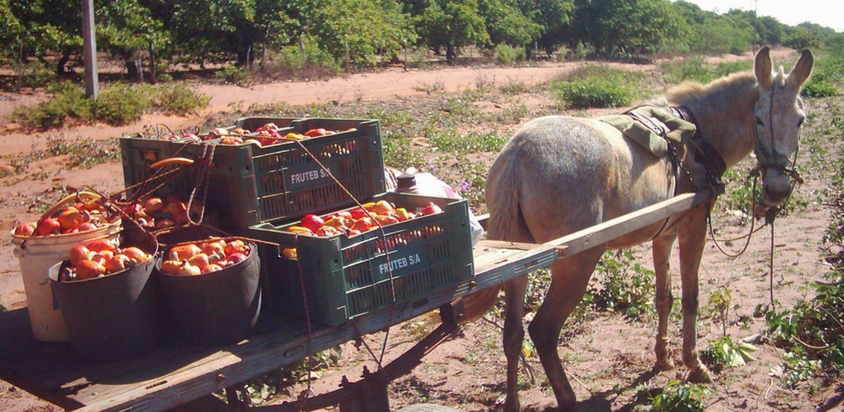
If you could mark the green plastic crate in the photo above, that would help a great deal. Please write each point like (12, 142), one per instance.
(249, 184)
(345, 277)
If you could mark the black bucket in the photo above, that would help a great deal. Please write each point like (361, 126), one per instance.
(111, 317)
(216, 308)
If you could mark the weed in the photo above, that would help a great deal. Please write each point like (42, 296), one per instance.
(234, 75)
(723, 352)
(122, 104)
(680, 397)
(473, 142)
(625, 286)
(507, 55)
(514, 86)
(719, 302)
(178, 99)
(436, 87)
(596, 86)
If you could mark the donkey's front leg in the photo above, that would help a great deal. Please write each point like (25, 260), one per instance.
(664, 299)
(514, 335)
(692, 240)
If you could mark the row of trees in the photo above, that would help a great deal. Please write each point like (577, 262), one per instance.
(360, 31)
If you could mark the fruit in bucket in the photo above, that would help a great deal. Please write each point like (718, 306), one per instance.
(205, 256)
(66, 218)
(100, 258)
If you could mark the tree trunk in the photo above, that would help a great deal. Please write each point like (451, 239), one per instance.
(450, 54)
(151, 63)
(131, 69)
(60, 67)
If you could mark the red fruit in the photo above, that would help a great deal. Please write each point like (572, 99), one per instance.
(184, 252)
(136, 254)
(117, 263)
(47, 227)
(212, 267)
(99, 245)
(431, 209)
(87, 226)
(25, 229)
(312, 222)
(89, 269)
(78, 253)
(237, 257)
(70, 218)
(173, 198)
(153, 205)
(236, 246)
(359, 213)
(315, 132)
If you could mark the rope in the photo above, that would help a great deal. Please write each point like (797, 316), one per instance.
(383, 235)
(749, 235)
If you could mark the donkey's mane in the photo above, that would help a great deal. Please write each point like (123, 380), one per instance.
(695, 91)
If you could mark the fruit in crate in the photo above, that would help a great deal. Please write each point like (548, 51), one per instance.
(100, 257)
(358, 220)
(78, 217)
(158, 212)
(206, 256)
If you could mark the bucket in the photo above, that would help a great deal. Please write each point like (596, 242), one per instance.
(216, 308)
(36, 254)
(111, 317)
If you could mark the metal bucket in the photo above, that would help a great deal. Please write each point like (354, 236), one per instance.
(216, 308)
(111, 317)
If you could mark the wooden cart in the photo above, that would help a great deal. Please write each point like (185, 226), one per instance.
(175, 374)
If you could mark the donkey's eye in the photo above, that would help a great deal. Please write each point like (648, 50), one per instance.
(800, 122)
(759, 122)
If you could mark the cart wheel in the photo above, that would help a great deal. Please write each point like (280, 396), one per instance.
(427, 407)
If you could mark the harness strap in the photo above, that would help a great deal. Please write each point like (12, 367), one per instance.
(705, 153)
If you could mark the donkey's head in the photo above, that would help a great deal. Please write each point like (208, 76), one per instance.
(778, 116)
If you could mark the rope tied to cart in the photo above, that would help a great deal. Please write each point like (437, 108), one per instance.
(389, 266)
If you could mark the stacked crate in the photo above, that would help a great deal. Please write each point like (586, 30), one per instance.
(259, 192)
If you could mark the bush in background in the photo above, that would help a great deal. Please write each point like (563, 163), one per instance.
(508, 55)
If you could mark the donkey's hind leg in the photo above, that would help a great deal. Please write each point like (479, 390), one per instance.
(664, 299)
(569, 279)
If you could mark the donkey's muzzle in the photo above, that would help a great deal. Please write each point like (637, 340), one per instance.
(776, 186)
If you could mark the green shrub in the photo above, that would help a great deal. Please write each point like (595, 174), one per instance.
(819, 88)
(289, 63)
(178, 98)
(596, 86)
(121, 104)
(68, 102)
(508, 55)
(680, 397)
(233, 74)
(625, 286)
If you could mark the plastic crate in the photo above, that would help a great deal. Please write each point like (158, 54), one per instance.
(138, 153)
(249, 184)
(345, 277)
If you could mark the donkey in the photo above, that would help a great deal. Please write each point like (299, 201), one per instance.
(559, 174)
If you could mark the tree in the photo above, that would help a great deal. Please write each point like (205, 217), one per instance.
(125, 27)
(554, 18)
(507, 24)
(801, 38)
(366, 27)
(453, 24)
(621, 26)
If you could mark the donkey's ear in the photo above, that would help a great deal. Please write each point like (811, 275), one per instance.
(763, 67)
(802, 69)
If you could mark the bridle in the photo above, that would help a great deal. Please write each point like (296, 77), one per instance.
(770, 159)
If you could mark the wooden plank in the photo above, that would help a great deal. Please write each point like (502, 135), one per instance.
(622, 225)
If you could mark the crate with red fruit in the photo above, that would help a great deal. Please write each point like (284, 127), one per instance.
(251, 184)
(356, 260)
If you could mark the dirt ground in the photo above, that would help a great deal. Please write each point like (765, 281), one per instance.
(609, 362)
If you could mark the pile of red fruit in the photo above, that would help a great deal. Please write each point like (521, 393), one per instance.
(358, 220)
(206, 256)
(100, 257)
(160, 212)
(80, 217)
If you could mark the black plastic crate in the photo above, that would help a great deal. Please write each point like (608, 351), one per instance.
(345, 277)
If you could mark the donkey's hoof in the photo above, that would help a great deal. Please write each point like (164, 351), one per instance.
(662, 366)
(699, 375)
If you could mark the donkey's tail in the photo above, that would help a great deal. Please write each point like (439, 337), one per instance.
(505, 223)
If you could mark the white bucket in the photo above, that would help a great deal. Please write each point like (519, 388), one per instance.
(36, 255)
